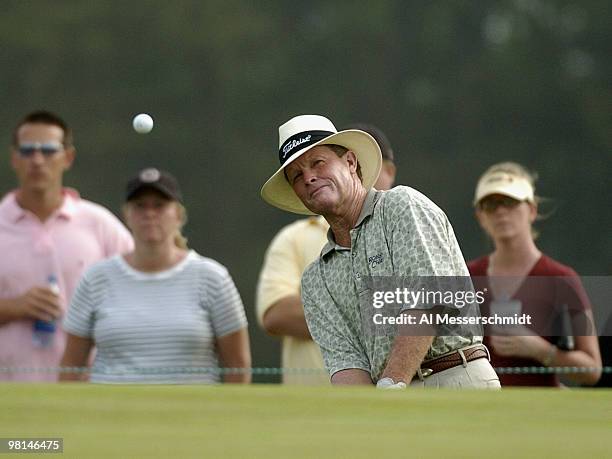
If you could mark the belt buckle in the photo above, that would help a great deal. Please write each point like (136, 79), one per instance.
(425, 372)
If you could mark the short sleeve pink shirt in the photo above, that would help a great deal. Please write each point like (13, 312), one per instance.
(78, 234)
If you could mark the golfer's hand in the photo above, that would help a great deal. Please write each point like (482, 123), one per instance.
(388, 383)
(40, 303)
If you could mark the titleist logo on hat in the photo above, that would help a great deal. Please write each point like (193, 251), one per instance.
(302, 140)
(295, 143)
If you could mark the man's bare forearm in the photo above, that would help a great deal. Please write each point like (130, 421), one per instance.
(351, 376)
(286, 318)
(406, 356)
(8, 310)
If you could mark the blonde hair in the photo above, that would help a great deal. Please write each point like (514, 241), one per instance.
(518, 170)
(179, 239)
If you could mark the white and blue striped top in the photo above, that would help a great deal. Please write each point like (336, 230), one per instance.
(155, 327)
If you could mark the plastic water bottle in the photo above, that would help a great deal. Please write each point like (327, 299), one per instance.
(43, 331)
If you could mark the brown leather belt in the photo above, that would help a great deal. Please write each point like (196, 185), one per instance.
(445, 362)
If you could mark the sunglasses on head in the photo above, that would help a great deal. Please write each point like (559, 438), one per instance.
(47, 149)
(492, 203)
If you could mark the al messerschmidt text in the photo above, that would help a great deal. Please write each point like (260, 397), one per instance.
(447, 319)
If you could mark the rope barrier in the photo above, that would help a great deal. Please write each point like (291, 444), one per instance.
(263, 371)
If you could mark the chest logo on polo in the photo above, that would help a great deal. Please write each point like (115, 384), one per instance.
(375, 260)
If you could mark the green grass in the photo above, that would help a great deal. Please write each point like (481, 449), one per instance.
(291, 422)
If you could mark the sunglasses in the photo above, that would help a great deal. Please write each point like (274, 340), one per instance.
(491, 204)
(47, 149)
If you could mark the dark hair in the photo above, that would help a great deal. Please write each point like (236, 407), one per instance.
(379, 136)
(45, 117)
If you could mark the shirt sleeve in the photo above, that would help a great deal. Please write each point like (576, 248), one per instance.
(281, 272)
(79, 320)
(339, 345)
(572, 299)
(424, 250)
(422, 240)
(117, 239)
(225, 305)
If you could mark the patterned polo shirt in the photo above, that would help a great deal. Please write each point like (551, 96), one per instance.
(400, 232)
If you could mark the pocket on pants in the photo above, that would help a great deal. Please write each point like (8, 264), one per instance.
(483, 375)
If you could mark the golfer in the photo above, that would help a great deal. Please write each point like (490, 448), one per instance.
(279, 304)
(384, 233)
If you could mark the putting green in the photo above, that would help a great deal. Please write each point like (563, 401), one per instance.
(271, 421)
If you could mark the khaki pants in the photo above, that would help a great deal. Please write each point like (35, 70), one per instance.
(477, 374)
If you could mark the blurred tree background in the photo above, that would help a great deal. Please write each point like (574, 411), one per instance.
(457, 86)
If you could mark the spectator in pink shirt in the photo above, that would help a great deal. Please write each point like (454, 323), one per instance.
(48, 236)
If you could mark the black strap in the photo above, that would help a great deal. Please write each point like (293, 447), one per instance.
(300, 141)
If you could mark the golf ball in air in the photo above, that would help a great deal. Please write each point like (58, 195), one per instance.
(142, 123)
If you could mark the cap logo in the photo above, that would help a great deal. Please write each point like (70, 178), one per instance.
(150, 175)
(294, 143)
(500, 178)
(301, 139)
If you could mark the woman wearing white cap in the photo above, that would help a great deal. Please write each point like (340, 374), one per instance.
(518, 279)
(162, 313)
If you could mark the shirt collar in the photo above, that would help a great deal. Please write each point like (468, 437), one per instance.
(13, 212)
(330, 244)
(69, 206)
(366, 211)
(368, 206)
